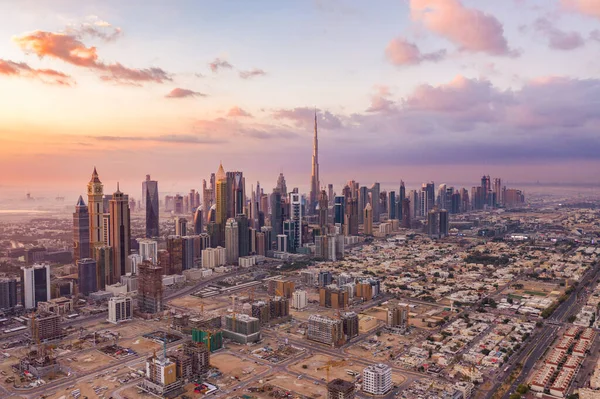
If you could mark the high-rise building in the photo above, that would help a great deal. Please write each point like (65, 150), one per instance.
(406, 213)
(104, 265)
(95, 210)
(338, 210)
(296, 217)
(340, 389)
(368, 220)
(325, 330)
(377, 379)
(232, 246)
(351, 217)
(150, 289)
(120, 234)
(148, 249)
(198, 221)
(81, 231)
(299, 300)
(221, 208)
(391, 205)
(8, 293)
(150, 203)
(46, 327)
(315, 184)
(120, 308)
(276, 213)
(375, 191)
(322, 209)
(281, 186)
(243, 234)
(363, 198)
(175, 259)
(87, 276)
(486, 189)
(180, 226)
(241, 328)
(437, 223)
(282, 243)
(35, 285)
(350, 324)
(399, 199)
(398, 316)
(498, 200)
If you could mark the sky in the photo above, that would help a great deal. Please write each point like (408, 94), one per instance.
(420, 90)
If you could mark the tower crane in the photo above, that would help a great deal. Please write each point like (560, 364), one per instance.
(329, 365)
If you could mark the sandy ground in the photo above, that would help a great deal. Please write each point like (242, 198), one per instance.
(140, 345)
(194, 303)
(87, 388)
(90, 361)
(303, 387)
(233, 366)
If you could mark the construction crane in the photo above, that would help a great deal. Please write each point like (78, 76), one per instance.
(233, 310)
(329, 365)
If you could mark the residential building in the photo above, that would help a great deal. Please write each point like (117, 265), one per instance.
(299, 300)
(35, 285)
(377, 379)
(325, 330)
(120, 308)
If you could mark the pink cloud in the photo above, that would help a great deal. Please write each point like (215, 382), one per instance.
(182, 93)
(380, 101)
(21, 69)
(69, 49)
(558, 39)
(252, 73)
(401, 52)
(472, 30)
(219, 64)
(95, 27)
(236, 111)
(305, 116)
(587, 7)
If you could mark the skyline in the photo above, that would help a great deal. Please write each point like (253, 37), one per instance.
(88, 85)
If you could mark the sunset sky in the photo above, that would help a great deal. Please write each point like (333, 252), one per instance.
(442, 90)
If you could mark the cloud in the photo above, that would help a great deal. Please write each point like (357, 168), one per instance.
(380, 101)
(401, 52)
(166, 138)
(219, 64)
(21, 69)
(595, 35)
(182, 93)
(587, 7)
(69, 49)
(305, 116)
(252, 73)
(236, 111)
(95, 27)
(472, 30)
(558, 39)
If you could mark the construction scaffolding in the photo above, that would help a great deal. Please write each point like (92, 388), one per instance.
(150, 290)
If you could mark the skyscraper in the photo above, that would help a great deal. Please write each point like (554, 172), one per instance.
(276, 213)
(87, 276)
(95, 210)
(406, 213)
(35, 285)
(296, 217)
(363, 198)
(120, 234)
(180, 226)
(399, 200)
(351, 217)
(281, 185)
(368, 220)
(81, 231)
(485, 190)
(221, 202)
(198, 221)
(391, 205)
(150, 202)
(314, 178)
(323, 209)
(338, 210)
(232, 246)
(374, 190)
(243, 234)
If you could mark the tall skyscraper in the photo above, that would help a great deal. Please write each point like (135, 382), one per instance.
(221, 202)
(485, 190)
(406, 213)
(498, 200)
(368, 218)
(315, 184)
(296, 217)
(375, 190)
(243, 234)
(338, 209)
(104, 265)
(198, 221)
(87, 276)
(323, 206)
(180, 226)
(81, 231)
(35, 285)
(120, 234)
(95, 209)
(276, 213)
(351, 217)
(281, 185)
(363, 198)
(150, 202)
(8, 293)
(232, 246)
(391, 205)
(399, 200)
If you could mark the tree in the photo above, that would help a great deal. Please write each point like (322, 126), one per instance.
(514, 396)
(523, 389)
(572, 318)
